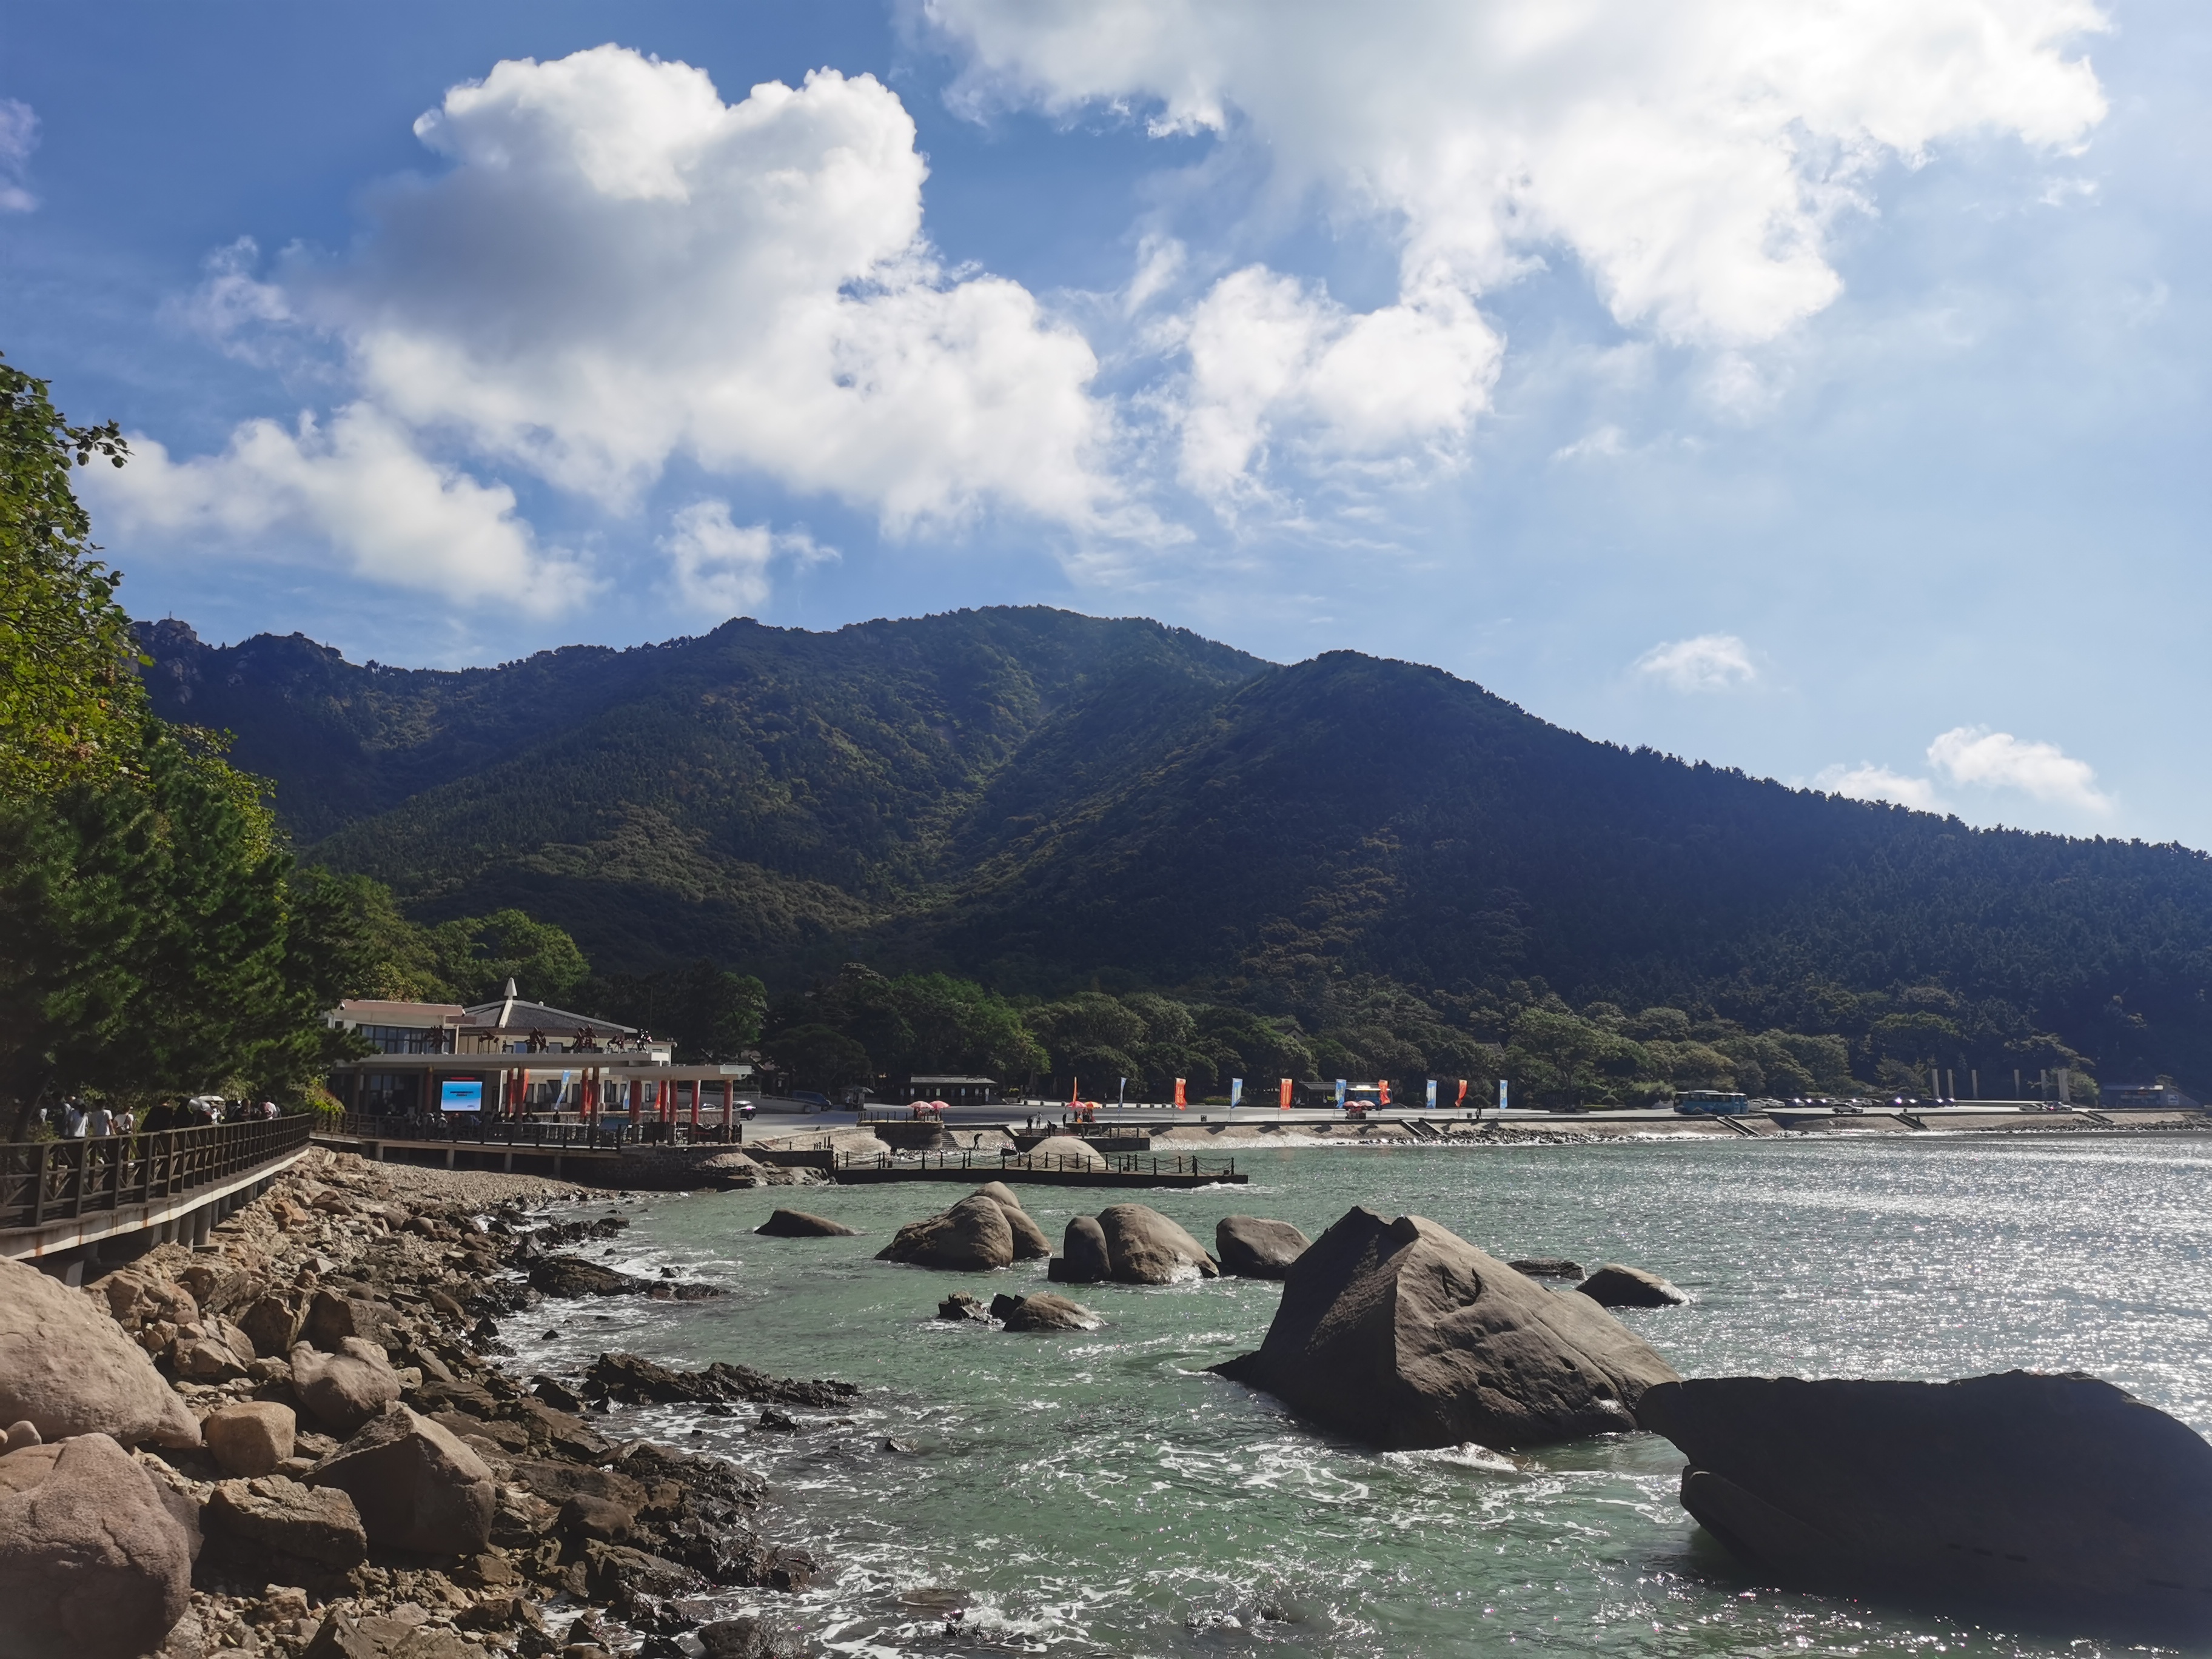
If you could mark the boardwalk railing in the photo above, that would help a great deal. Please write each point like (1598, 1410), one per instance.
(1125, 1164)
(49, 1180)
(472, 1128)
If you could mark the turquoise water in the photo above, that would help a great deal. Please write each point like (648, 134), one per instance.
(1101, 1494)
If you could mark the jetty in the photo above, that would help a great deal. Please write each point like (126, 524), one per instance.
(1184, 1169)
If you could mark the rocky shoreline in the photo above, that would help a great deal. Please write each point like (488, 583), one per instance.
(326, 1461)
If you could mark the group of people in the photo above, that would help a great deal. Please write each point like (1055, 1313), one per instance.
(78, 1119)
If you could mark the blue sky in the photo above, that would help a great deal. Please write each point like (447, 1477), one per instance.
(1815, 391)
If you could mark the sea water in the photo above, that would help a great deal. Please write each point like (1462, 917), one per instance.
(1101, 1494)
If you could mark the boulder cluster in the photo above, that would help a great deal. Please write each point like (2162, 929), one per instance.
(296, 1444)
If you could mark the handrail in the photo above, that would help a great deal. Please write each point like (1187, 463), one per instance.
(49, 1180)
(1126, 1164)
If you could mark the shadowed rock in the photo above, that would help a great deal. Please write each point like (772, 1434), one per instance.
(1253, 1246)
(1615, 1286)
(345, 1389)
(1402, 1335)
(2048, 1494)
(635, 1380)
(315, 1523)
(972, 1237)
(66, 1366)
(1547, 1266)
(1145, 1248)
(1083, 1258)
(1031, 1243)
(417, 1486)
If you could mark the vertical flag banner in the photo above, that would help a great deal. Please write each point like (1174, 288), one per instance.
(1121, 1094)
(1462, 1092)
(1235, 1092)
(1286, 1094)
(1382, 1092)
(1501, 1094)
(1339, 1094)
(1074, 1092)
(1432, 1094)
(1179, 1099)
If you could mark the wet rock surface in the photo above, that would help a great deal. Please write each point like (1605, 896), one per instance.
(1615, 1286)
(1254, 1246)
(802, 1223)
(974, 1236)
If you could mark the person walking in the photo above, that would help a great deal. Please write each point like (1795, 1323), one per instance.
(100, 1124)
(73, 1120)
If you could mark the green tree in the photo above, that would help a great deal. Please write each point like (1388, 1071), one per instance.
(818, 1058)
(478, 955)
(69, 706)
(712, 1014)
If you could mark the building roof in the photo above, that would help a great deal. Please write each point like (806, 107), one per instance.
(918, 1077)
(377, 1011)
(514, 1012)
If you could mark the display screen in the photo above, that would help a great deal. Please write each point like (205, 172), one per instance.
(458, 1094)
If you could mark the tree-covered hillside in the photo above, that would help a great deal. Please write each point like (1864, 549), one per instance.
(1054, 804)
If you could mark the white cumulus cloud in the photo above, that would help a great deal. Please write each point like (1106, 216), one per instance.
(1867, 782)
(1691, 155)
(19, 137)
(357, 483)
(1710, 662)
(1975, 755)
(720, 568)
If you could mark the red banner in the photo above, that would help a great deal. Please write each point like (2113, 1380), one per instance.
(1180, 1104)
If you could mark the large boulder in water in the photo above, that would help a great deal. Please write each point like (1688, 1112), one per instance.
(1145, 1248)
(93, 1564)
(801, 1224)
(1615, 1286)
(1043, 1311)
(972, 1237)
(1082, 1259)
(2058, 1494)
(1254, 1246)
(1402, 1335)
(1031, 1243)
(66, 1366)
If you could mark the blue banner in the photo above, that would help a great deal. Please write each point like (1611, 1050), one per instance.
(1236, 1091)
(455, 1094)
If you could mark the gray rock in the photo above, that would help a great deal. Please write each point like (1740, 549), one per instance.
(272, 1324)
(972, 1237)
(960, 1306)
(572, 1276)
(92, 1563)
(1547, 1266)
(315, 1523)
(746, 1639)
(1031, 1243)
(1063, 1152)
(1615, 1286)
(251, 1438)
(1043, 1312)
(1253, 1246)
(2058, 1496)
(1145, 1248)
(66, 1366)
(331, 1319)
(418, 1488)
(345, 1389)
(1083, 1258)
(1402, 1335)
(797, 1224)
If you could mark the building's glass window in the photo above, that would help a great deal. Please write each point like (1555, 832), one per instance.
(405, 1039)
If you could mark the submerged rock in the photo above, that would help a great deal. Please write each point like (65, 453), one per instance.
(972, 1237)
(799, 1223)
(1043, 1312)
(1145, 1248)
(1547, 1266)
(961, 1308)
(1615, 1286)
(1083, 1258)
(1254, 1246)
(1402, 1335)
(635, 1380)
(2057, 1494)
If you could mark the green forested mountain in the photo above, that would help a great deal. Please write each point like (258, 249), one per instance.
(1050, 803)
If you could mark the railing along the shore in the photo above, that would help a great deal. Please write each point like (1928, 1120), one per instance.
(1121, 1164)
(554, 1134)
(48, 1180)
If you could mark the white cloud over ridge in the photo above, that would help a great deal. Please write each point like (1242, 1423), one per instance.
(618, 270)
(1711, 662)
(360, 483)
(719, 569)
(1691, 155)
(1977, 756)
(1867, 782)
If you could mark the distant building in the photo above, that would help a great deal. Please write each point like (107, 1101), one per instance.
(400, 1028)
(2145, 1097)
(952, 1090)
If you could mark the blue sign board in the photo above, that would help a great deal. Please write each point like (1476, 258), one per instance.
(457, 1094)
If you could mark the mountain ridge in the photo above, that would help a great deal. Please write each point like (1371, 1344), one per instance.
(1047, 800)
